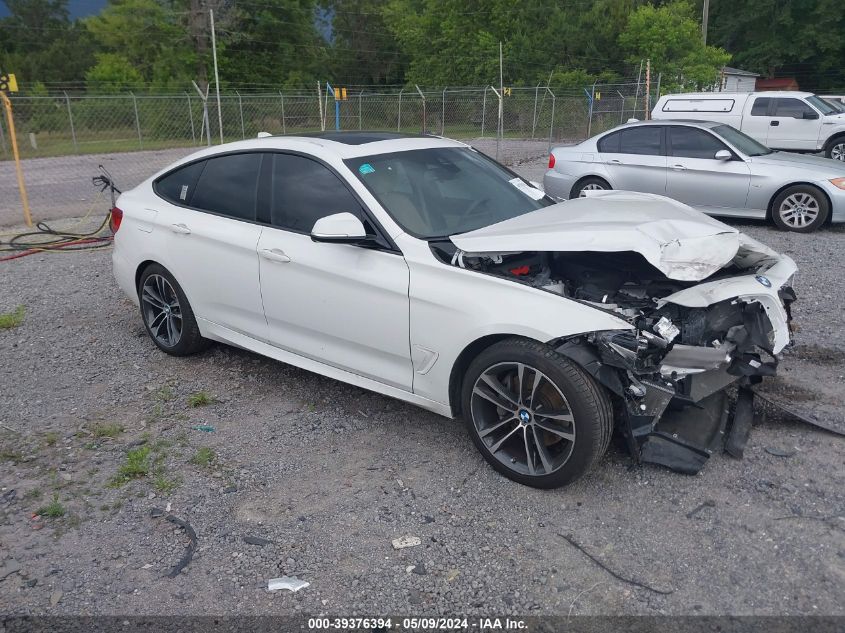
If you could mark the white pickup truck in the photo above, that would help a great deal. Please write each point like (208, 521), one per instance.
(792, 121)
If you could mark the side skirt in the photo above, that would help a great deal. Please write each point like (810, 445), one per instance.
(225, 335)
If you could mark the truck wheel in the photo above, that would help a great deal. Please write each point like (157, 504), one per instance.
(835, 149)
(800, 208)
(535, 416)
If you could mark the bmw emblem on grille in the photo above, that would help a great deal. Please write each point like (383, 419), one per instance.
(764, 281)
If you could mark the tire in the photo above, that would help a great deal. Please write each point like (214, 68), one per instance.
(170, 323)
(835, 148)
(800, 208)
(590, 183)
(512, 433)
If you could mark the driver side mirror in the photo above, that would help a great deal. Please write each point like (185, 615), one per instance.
(809, 114)
(723, 154)
(340, 228)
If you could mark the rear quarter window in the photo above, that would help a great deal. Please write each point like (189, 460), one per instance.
(178, 186)
(698, 105)
(609, 144)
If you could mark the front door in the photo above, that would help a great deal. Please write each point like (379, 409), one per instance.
(697, 178)
(340, 304)
(789, 129)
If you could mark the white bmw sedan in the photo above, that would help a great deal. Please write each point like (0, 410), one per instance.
(421, 269)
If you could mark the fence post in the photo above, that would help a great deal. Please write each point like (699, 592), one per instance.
(241, 109)
(70, 119)
(657, 95)
(359, 109)
(3, 139)
(483, 110)
(191, 118)
(399, 122)
(534, 121)
(443, 115)
(552, 124)
(137, 121)
(282, 97)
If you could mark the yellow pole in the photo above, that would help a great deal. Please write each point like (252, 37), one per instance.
(7, 105)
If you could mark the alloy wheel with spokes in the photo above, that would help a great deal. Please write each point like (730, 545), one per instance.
(801, 208)
(593, 186)
(837, 151)
(162, 311)
(523, 418)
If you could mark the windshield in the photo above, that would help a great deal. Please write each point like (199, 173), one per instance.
(743, 143)
(437, 192)
(821, 105)
(836, 105)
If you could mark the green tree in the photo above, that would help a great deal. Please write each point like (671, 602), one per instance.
(671, 37)
(801, 38)
(113, 73)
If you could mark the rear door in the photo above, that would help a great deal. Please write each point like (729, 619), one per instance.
(341, 304)
(757, 122)
(635, 158)
(206, 224)
(789, 127)
(697, 178)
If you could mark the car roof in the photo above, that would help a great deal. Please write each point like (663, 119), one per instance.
(723, 95)
(693, 122)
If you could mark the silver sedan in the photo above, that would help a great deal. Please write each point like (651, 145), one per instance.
(709, 166)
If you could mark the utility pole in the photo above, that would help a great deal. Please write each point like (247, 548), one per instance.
(199, 33)
(705, 18)
(216, 75)
(647, 89)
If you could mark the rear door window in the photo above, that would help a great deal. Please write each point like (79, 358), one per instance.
(789, 107)
(228, 186)
(178, 186)
(609, 144)
(642, 139)
(761, 106)
(690, 142)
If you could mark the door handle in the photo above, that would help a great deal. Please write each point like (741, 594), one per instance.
(274, 255)
(774, 123)
(180, 228)
(615, 161)
(678, 167)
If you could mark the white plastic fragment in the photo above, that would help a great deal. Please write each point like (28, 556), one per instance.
(406, 541)
(291, 583)
(665, 328)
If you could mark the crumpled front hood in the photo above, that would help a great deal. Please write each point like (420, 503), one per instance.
(682, 243)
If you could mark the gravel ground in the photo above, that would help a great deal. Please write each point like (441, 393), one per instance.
(329, 474)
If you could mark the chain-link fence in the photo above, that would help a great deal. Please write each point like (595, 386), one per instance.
(62, 138)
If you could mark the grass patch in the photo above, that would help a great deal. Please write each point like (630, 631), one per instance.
(164, 484)
(165, 394)
(53, 510)
(50, 438)
(200, 399)
(9, 455)
(9, 320)
(204, 457)
(33, 494)
(107, 430)
(137, 465)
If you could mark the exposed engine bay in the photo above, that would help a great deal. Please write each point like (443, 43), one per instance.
(672, 371)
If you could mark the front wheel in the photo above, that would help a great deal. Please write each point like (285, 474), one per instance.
(537, 418)
(800, 208)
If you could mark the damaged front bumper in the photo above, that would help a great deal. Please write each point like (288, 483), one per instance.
(671, 376)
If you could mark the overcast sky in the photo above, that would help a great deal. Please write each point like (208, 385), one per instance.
(77, 8)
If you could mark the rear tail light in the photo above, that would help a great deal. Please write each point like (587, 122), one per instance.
(551, 161)
(115, 218)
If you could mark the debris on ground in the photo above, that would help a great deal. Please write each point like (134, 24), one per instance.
(55, 597)
(9, 567)
(206, 428)
(707, 504)
(571, 540)
(257, 540)
(781, 452)
(189, 550)
(291, 583)
(406, 541)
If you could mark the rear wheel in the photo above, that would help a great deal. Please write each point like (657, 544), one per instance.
(593, 183)
(167, 315)
(536, 417)
(800, 208)
(835, 149)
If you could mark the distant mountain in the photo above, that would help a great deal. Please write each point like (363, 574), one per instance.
(76, 8)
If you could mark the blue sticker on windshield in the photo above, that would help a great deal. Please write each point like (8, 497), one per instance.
(365, 169)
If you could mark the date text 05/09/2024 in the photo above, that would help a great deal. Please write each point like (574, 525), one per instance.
(418, 624)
